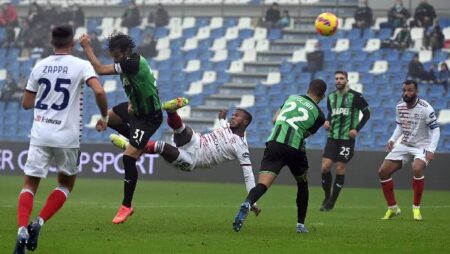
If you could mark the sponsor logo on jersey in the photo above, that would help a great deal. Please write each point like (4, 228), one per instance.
(246, 155)
(125, 81)
(43, 119)
(340, 111)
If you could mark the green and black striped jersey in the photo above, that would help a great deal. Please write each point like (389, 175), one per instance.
(139, 83)
(343, 113)
(299, 117)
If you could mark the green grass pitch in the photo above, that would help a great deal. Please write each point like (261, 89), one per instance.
(180, 217)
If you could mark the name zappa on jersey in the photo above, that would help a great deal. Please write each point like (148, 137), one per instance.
(55, 69)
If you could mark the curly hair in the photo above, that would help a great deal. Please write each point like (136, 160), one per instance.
(120, 41)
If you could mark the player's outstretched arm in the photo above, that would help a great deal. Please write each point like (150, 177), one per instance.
(101, 69)
(102, 104)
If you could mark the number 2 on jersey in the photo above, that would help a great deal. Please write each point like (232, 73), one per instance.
(58, 88)
(291, 121)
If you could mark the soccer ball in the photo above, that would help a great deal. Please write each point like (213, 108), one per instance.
(326, 24)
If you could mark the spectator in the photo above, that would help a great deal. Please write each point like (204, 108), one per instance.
(434, 38)
(8, 15)
(65, 15)
(402, 40)
(38, 39)
(35, 15)
(285, 20)
(24, 36)
(131, 17)
(50, 12)
(314, 60)
(398, 15)
(160, 17)
(96, 44)
(444, 76)
(78, 16)
(10, 91)
(272, 16)
(424, 15)
(417, 71)
(148, 47)
(10, 36)
(363, 16)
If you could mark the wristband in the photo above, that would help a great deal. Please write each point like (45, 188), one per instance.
(105, 118)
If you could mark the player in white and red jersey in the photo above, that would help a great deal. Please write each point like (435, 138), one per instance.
(55, 91)
(419, 133)
(194, 150)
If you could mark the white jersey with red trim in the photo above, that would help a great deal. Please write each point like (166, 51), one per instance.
(222, 145)
(416, 123)
(58, 83)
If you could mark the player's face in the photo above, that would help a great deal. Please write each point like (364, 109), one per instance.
(409, 93)
(117, 55)
(237, 119)
(340, 80)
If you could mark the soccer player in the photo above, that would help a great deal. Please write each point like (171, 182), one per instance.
(343, 124)
(138, 118)
(55, 91)
(298, 118)
(194, 150)
(417, 122)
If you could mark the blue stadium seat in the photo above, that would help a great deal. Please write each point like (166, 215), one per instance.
(274, 34)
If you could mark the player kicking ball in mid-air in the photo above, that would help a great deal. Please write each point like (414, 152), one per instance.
(298, 118)
(417, 122)
(55, 91)
(138, 118)
(194, 150)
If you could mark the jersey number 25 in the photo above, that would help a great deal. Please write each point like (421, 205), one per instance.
(58, 88)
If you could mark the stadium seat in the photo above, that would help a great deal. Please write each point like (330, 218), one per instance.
(260, 33)
(249, 56)
(378, 21)
(247, 100)
(232, 33)
(219, 44)
(163, 54)
(163, 43)
(272, 78)
(310, 45)
(379, 67)
(247, 44)
(245, 22)
(298, 56)
(216, 22)
(425, 56)
(195, 88)
(209, 77)
(353, 77)
(262, 45)
(220, 55)
(110, 86)
(192, 65)
(188, 22)
(236, 66)
(348, 25)
(341, 45)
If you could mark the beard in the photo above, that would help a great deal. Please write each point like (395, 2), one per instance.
(409, 99)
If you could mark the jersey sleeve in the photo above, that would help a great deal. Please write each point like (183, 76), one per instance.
(243, 156)
(329, 109)
(361, 103)
(88, 72)
(32, 84)
(129, 66)
(317, 124)
(431, 119)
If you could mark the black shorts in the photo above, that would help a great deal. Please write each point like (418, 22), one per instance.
(339, 150)
(277, 155)
(141, 127)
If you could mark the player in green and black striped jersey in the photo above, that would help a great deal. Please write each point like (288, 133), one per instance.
(297, 119)
(139, 117)
(343, 124)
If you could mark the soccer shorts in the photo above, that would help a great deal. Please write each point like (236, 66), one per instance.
(141, 127)
(41, 158)
(189, 153)
(405, 154)
(339, 150)
(277, 155)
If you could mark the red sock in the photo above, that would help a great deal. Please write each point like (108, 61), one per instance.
(388, 190)
(418, 186)
(174, 120)
(54, 202)
(24, 207)
(150, 147)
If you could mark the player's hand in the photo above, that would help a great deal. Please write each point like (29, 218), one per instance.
(390, 145)
(85, 41)
(429, 156)
(101, 125)
(130, 108)
(353, 133)
(222, 114)
(326, 125)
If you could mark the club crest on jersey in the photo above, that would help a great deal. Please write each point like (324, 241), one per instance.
(125, 81)
(340, 111)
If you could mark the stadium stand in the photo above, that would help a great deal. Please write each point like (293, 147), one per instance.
(227, 62)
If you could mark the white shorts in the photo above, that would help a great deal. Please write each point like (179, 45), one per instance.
(405, 154)
(41, 158)
(187, 159)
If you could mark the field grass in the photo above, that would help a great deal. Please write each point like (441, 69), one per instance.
(176, 217)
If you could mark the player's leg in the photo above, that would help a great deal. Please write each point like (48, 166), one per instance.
(387, 184)
(337, 186)
(118, 118)
(418, 167)
(328, 157)
(174, 104)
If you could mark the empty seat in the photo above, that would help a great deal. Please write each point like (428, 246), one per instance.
(195, 88)
(379, 67)
(353, 77)
(236, 66)
(425, 56)
(110, 85)
(190, 44)
(220, 55)
(192, 65)
(444, 116)
(348, 25)
(232, 33)
(244, 22)
(163, 43)
(260, 33)
(272, 78)
(188, 22)
(248, 44)
(249, 56)
(216, 22)
(298, 56)
(219, 43)
(247, 100)
(262, 45)
(341, 45)
(209, 77)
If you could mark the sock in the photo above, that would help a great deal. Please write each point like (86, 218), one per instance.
(418, 185)
(54, 202)
(175, 122)
(327, 178)
(388, 191)
(338, 185)
(131, 177)
(256, 193)
(302, 201)
(153, 147)
(24, 207)
(123, 129)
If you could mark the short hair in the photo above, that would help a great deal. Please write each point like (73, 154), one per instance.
(247, 114)
(317, 87)
(342, 72)
(62, 36)
(120, 41)
(410, 82)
